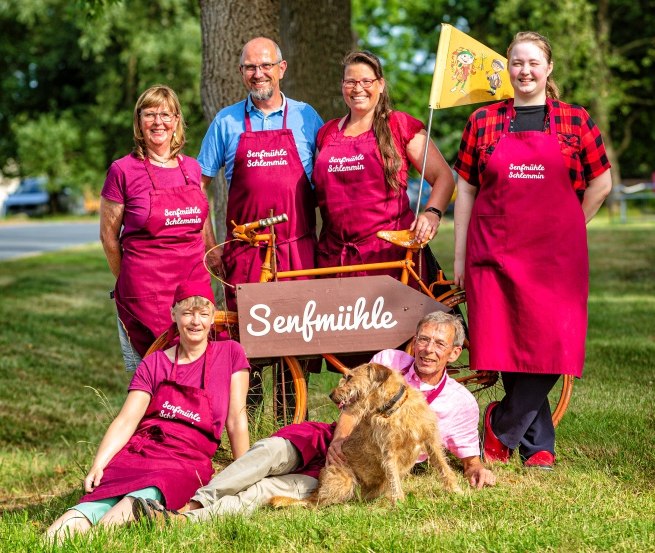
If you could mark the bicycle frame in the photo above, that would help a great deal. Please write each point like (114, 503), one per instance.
(269, 275)
(246, 233)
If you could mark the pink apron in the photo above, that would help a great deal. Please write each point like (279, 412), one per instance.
(312, 440)
(173, 445)
(527, 269)
(355, 203)
(269, 175)
(166, 251)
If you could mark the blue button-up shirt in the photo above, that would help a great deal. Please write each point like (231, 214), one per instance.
(219, 146)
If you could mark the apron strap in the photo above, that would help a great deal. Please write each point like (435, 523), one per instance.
(352, 245)
(248, 125)
(151, 173)
(208, 353)
(430, 395)
(182, 165)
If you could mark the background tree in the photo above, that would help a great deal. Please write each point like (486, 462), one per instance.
(83, 64)
(50, 145)
(73, 84)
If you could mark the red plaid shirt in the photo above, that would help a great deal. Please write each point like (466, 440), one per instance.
(579, 139)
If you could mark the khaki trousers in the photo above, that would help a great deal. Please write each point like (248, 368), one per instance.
(250, 481)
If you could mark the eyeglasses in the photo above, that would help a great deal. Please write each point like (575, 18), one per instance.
(364, 83)
(150, 116)
(424, 341)
(265, 67)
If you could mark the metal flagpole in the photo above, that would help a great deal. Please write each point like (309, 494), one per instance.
(425, 161)
(420, 183)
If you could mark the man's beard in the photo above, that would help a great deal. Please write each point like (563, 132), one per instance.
(262, 95)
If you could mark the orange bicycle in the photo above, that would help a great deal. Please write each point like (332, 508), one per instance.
(286, 380)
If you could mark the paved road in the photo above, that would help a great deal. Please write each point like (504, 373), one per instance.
(33, 238)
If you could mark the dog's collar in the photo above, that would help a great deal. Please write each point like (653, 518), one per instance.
(391, 406)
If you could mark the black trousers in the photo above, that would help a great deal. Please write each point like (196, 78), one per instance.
(523, 418)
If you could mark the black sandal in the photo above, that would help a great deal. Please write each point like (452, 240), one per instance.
(150, 510)
(141, 510)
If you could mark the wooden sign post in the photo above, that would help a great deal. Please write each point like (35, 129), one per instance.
(329, 315)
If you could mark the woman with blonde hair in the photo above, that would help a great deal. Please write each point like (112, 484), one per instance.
(153, 222)
(159, 448)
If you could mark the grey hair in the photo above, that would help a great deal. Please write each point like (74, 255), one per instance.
(193, 303)
(442, 318)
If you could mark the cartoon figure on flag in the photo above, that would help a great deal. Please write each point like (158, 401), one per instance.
(462, 66)
(493, 76)
(461, 58)
(463, 74)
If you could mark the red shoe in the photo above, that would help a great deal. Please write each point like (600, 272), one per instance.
(543, 460)
(492, 448)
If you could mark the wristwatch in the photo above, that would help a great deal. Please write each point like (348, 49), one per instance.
(434, 210)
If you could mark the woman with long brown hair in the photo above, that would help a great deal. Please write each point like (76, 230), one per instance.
(361, 171)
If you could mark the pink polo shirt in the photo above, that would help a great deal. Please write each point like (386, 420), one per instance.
(456, 409)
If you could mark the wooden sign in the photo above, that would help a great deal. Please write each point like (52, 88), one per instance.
(329, 315)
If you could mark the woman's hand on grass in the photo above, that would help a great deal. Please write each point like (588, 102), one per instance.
(93, 479)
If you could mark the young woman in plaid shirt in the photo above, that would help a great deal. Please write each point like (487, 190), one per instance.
(532, 172)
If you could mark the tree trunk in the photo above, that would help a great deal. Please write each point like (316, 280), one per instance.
(226, 26)
(315, 36)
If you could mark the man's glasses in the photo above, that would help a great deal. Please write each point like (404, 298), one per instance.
(424, 341)
(265, 67)
(150, 116)
(364, 83)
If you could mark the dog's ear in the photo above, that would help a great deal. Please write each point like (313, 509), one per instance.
(378, 373)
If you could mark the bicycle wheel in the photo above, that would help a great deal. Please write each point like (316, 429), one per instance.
(282, 385)
(278, 392)
(487, 386)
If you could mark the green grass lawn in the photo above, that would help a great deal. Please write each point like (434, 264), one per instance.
(61, 379)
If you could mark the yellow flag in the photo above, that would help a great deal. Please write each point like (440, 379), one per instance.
(467, 72)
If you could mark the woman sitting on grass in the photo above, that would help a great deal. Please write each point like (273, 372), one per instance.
(161, 443)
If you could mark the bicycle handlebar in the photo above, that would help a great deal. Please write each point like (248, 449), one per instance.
(248, 229)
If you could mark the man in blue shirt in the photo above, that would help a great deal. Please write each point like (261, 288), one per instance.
(266, 143)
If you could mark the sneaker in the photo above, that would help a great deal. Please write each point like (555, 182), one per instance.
(492, 448)
(543, 460)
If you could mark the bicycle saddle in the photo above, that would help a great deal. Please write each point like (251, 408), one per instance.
(402, 238)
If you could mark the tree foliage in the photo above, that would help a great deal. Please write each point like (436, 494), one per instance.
(603, 51)
(72, 71)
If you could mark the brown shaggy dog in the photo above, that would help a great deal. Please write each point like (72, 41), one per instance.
(394, 425)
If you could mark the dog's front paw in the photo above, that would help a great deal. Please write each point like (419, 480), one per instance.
(454, 488)
(396, 498)
(280, 501)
